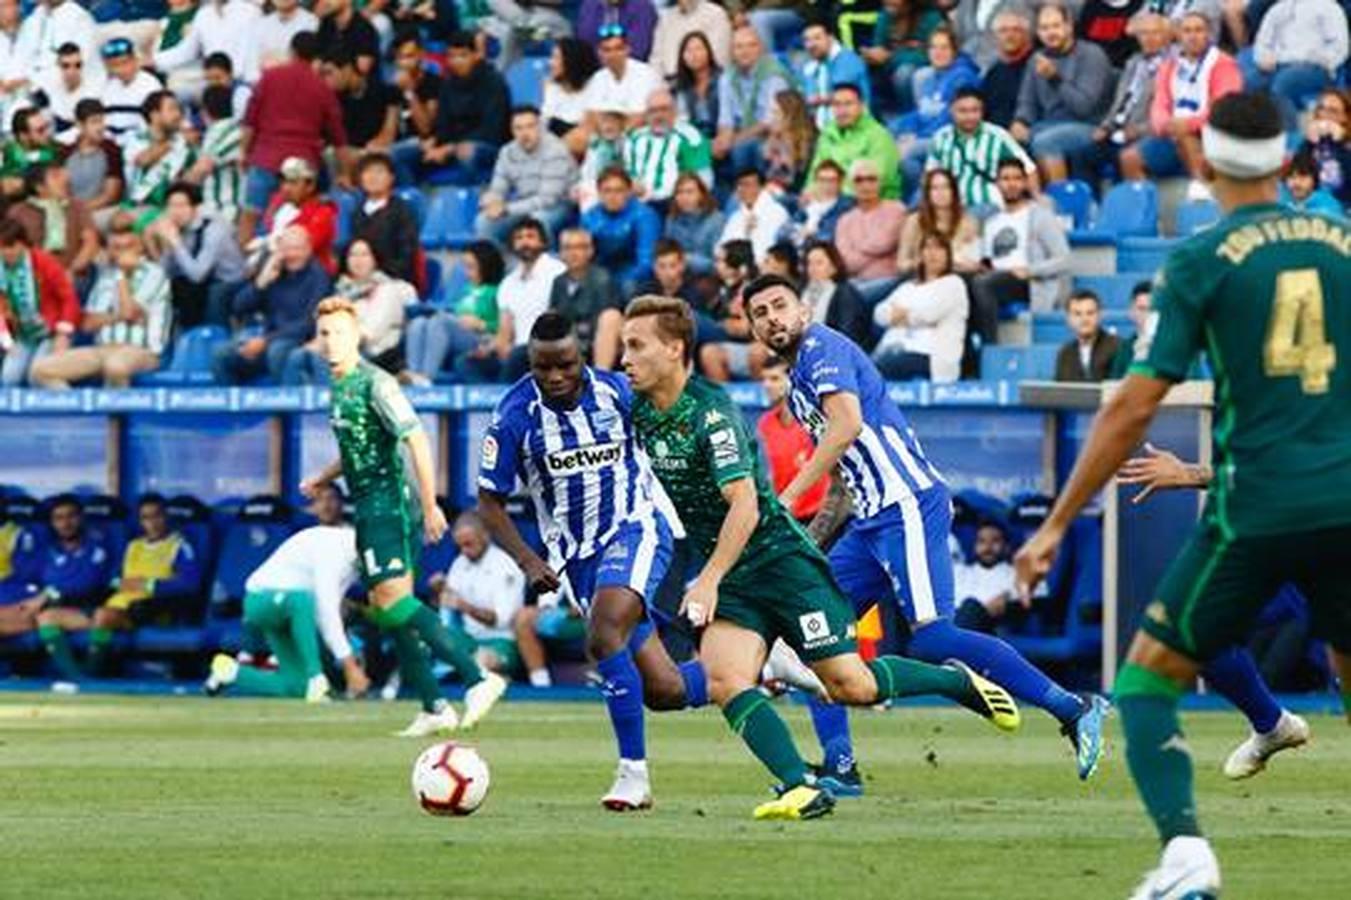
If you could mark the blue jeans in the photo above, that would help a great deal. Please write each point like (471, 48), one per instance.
(231, 368)
(912, 166)
(872, 290)
(304, 366)
(1293, 86)
(902, 365)
(499, 230)
(19, 361)
(409, 167)
(1061, 140)
(259, 186)
(431, 341)
(901, 78)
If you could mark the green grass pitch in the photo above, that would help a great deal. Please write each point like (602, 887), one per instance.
(106, 797)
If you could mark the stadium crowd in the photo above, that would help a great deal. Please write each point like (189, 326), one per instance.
(227, 165)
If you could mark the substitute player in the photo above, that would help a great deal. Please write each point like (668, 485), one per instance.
(372, 420)
(896, 545)
(301, 585)
(761, 578)
(1264, 292)
(565, 431)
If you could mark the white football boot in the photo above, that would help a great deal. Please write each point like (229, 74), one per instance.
(783, 665)
(632, 789)
(481, 697)
(1188, 871)
(429, 723)
(1250, 757)
(317, 689)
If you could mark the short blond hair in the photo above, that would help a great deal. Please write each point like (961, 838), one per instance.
(675, 319)
(331, 305)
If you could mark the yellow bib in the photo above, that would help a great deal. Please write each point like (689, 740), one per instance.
(9, 536)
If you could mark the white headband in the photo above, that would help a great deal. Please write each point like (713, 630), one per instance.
(1244, 158)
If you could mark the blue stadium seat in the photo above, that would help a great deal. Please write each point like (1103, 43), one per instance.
(106, 519)
(432, 235)
(434, 275)
(1072, 198)
(525, 80)
(1143, 254)
(347, 203)
(262, 525)
(457, 229)
(417, 200)
(1051, 329)
(1195, 215)
(435, 559)
(1035, 363)
(192, 517)
(454, 285)
(1129, 209)
(191, 360)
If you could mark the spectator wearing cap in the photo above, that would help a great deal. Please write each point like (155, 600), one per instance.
(625, 230)
(683, 18)
(293, 113)
(1002, 76)
(126, 90)
(622, 83)
(828, 64)
(1187, 84)
(32, 144)
(157, 155)
(855, 135)
(343, 28)
(199, 254)
(757, 217)
(39, 310)
(220, 26)
(869, 235)
(471, 122)
(129, 315)
(386, 222)
(61, 91)
(1298, 50)
(51, 24)
(637, 18)
(285, 293)
(1066, 90)
(746, 91)
(57, 222)
(370, 108)
(94, 162)
(270, 36)
(533, 176)
(298, 203)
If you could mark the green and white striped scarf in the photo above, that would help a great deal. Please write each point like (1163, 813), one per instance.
(20, 286)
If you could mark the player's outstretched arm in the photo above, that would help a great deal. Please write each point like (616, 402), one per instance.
(420, 451)
(492, 509)
(743, 514)
(844, 423)
(328, 474)
(1119, 427)
(1160, 470)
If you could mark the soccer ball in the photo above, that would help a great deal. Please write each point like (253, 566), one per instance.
(450, 779)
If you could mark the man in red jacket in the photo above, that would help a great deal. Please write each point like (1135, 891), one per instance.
(38, 307)
(293, 113)
(298, 202)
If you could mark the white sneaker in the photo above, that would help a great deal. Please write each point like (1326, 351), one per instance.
(224, 671)
(783, 665)
(427, 724)
(1188, 871)
(390, 691)
(65, 687)
(316, 691)
(1198, 191)
(1250, 757)
(632, 789)
(481, 697)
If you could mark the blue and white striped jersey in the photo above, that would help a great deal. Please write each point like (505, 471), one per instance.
(886, 464)
(583, 467)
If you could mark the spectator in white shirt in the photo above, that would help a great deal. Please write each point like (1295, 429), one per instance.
(522, 297)
(621, 83)
(270, 37)
(758, 217)
(126, 90)
(51, 24)
(61, 90)
(985, 588)
(925, 319)
(220, 26)
(486, 588)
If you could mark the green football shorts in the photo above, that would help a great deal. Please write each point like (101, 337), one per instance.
(796, 599)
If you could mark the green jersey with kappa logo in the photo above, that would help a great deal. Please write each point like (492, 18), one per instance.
(370, 418)
(1266, 294)
(699, 445)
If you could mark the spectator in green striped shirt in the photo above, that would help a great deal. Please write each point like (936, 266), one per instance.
(129, 314)
(658, 153)
(219, 165)
(972, 149)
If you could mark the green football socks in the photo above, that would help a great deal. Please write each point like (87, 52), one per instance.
(415, 670)
(57, 645)
(753, 717)
(100, 643)
(1156, 751)
(899, 677)
(453, 649)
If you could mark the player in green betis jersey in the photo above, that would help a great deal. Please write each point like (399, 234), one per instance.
(1265, 293)
(372, 420)
(761, 577)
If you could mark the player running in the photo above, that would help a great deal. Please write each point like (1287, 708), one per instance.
(565, 430)
(761, 578)
(1264, 292)
(897, 544)
(371, 420)
(1232, 673)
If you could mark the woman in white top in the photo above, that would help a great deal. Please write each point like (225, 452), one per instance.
(563, 108)
(925, 320)
(940, 212)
